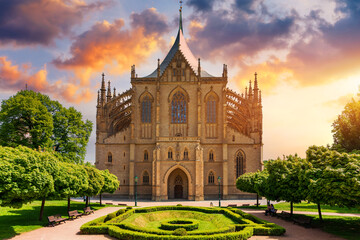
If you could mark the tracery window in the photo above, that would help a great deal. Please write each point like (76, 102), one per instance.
(211, 156)
(186, 154)
(146, 178)
(178, 108)
(211, 110)
(211, 178)
(146, 155)
(170, 154)
(239, 164)
(146, 110)
(109, 157)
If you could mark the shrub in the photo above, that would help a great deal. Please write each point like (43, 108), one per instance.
(179, 205)
(119, 212)
(128, 208)
(187, 224)
(180, 232)
(110, 216)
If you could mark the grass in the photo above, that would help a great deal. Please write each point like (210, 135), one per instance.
(308, 207)
(15, 221)
(346, 227)
(153, 220)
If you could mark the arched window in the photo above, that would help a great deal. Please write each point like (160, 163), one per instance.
(109, 157)
(146, 110)
(211, 155)
(211, 110)
(211, 178)
(170, 154)
(186, 154)
(239, 164)
(146, 178)
(146, 155)
(178, 108)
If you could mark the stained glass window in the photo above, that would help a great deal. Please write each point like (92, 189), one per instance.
(186, 154)
(146, 110)
(211, 156)
(170, 154)
(239, 164)
(211, 110)
(146, 155)
(178, 108)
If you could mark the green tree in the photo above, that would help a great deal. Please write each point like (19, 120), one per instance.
(96, 182)
(24, 176)
(71, 134)
(252, 182)
(287, 180)
(334, 177)
(71, 181)
(33, 119)
(24, 120)
(346, 128)
(111, 183)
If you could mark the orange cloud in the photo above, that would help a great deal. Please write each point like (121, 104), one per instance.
(14, 77)
(111, 48)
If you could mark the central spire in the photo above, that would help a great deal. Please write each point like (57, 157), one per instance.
(180, 21)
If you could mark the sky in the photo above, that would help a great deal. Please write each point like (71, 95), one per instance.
(306, 54)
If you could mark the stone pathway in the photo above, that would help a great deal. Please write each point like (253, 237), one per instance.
(70, 229)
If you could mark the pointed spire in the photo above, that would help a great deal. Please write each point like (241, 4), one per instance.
(225, 72)
(246, 93)
(180, 21)
(98, 99)
(158, 68)
(108, 96)
(114, 92)
(256, 82)
(250, 89)
(260, 97)
(103, 90)
(199, 68)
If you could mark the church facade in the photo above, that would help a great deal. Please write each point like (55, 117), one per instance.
(179, 132)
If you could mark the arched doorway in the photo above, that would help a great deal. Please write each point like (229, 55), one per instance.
(177, 185)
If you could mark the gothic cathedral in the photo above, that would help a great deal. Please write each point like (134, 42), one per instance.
(179, 132)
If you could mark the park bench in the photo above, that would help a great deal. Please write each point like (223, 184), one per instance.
(246, 205)
(109, 203)
(232, 205)
(88, 210)
(122, 204)
(284, 215)
(273, 213)
(74, 214)
(53, 220)
(303, 220)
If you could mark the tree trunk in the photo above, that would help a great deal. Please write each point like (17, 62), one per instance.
(100, 200)
(42, 209)
(291, 208)
(319, 210)
(87, 201)
(68, 204)
(257, 200)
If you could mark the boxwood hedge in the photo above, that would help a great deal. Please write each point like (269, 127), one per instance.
(246, 225)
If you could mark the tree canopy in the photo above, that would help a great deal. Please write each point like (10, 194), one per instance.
(34, 120)
(346, 128)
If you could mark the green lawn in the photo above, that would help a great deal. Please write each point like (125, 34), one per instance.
(346, 227)
(152, 220)
(15, 221)
(309, 207)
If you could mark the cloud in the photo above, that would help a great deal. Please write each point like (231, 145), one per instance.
(15, 77)
(201, 5)
(40, 21)
(340, 102)
(112, 48)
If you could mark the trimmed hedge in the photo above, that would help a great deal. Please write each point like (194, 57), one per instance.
(247, 226)
(187, 224)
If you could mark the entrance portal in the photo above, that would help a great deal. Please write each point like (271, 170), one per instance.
(177, 185)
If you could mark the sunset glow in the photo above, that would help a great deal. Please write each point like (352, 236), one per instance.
(307, 55)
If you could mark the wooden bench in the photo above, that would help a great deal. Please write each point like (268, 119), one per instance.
(246, 205)
(232, 205)
(53, 220)
(88, 211)
(284, 215)
(271, 213)
(122, 204)
(109, 203)
(303, 220)
(74, 214)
